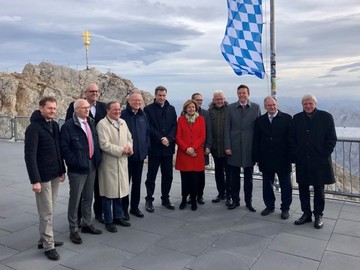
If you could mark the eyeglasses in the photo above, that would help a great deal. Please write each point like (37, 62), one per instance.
(93, 91)
(83, 108)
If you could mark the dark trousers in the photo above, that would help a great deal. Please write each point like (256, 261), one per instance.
(189, 183)
(319, 199)
(268, 190)
(200, 184)
(98, 211)
(116, 212)
(135, 168)
(166, 167)
(235, 183)
(222, 176)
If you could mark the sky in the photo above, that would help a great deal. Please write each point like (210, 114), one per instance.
(176, 43)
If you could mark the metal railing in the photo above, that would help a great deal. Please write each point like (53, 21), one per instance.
(346, 159)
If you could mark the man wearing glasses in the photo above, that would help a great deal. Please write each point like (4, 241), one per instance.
(97, 112)
(81, 152)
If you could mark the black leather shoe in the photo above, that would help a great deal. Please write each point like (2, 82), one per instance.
(168, 205)
(193, 206)
(200, 200)
(182, 205)
(149, 207)
(90, 229)
(250, 207)
(318, 222)
(218, 199)
(228, 201)
(267, 211)
(75, 238)
(284, 214)
(56, 244)
(121, 222)
(110, 227)
(137, 213)
(126, 215)
(233, 206)
(303, 219)
(52, 254)
(100, 219)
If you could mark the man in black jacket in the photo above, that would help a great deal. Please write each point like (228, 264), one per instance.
(313, 139)
(46, 169)
(97, 112)
(138, 125)
(272, 154)
(162, 121)
(81, 151)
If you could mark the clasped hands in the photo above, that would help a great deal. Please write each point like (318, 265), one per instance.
(191, 151)
(127, 150)
(165, 141)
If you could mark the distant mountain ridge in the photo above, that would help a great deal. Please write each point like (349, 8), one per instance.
(346, 112)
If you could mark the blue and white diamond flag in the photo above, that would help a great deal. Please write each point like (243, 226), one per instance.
(241, 46)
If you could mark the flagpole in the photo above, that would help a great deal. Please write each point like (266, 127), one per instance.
(272, 49)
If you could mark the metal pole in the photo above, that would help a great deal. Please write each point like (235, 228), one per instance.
(272, 49)
(273, 67)
(87, 57)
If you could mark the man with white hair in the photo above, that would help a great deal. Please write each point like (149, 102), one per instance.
(81, 151)
(313, 139)
(272, 154)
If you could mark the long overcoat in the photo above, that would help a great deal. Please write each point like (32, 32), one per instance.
(113, 170)
(239, 130)
(312, 142)
(271, 144)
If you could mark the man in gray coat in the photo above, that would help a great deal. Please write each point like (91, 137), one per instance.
(239, 128)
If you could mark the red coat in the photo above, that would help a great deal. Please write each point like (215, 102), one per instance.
(190, 136)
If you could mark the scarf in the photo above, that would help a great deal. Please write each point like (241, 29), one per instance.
(191, 118)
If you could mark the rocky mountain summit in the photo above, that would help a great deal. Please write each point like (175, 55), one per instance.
(21, 92)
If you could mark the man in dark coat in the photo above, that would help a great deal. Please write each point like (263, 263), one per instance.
(97, 112)
(313, 139)
(138, 125)
(217, 112)
(272, 154)
(81, 151)
(46, 169)
(163, 122)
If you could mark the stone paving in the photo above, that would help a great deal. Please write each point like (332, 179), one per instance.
(210, 238)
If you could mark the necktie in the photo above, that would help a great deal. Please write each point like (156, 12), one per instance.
(90, 139)
(49, 124)
(271, 118)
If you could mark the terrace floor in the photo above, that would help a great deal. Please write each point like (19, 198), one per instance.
(210, 238)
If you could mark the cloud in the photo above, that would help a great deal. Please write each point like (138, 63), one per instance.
(10, 19)
(176, 43)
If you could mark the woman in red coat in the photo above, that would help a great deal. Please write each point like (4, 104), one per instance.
(190, 161)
